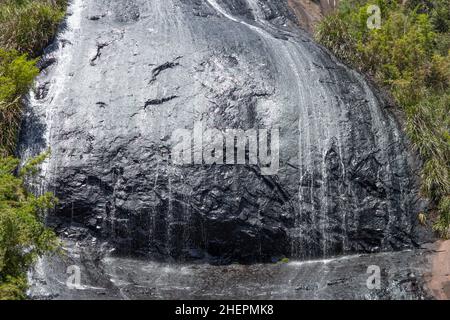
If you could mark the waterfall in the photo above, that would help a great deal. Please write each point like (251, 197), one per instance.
(128, 75)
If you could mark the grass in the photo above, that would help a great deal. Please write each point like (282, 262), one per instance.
(409, 57)
(29, 25)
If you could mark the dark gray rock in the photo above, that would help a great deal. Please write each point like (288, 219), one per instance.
(123, 83)
(107, 277)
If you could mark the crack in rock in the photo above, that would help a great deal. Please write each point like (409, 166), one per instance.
(100, 46)
(165, 66)
(154, 102)
(45, 63)
(42, 90)
(97, 17)
(116, 35)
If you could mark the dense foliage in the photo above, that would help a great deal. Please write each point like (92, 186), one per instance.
(16, 74)
(26, 27)
(23, 236)
(409, 55)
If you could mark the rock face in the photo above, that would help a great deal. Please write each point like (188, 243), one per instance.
(124, 75)
(401, 278)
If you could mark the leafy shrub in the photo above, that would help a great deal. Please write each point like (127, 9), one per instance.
(23, 236)
(16, 75)
(408, 56)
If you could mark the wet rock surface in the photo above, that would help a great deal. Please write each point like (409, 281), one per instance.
(125, 74)
(108, 277)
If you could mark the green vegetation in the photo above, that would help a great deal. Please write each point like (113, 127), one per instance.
(27, 26)
(23, 236)
(284, 260)
(410, 57)
(16, 74)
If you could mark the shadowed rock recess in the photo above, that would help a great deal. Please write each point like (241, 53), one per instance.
(125, 74)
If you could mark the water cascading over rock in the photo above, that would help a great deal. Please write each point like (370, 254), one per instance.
(124, 75)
